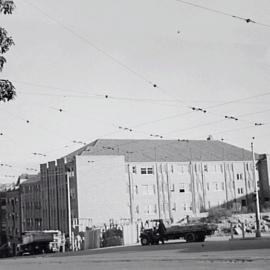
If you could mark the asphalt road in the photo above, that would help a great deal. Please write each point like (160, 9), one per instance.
(239, 254)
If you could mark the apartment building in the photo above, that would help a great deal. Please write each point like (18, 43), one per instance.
(3, 218)
(13, 217)
(136, 180)
(30, 196)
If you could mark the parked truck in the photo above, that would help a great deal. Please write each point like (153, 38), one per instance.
(190, 232)
(37, 242)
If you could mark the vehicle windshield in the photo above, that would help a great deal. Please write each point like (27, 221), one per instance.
(151, 224)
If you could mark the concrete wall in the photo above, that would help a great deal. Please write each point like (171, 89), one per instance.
(176, 189)
(102, 186)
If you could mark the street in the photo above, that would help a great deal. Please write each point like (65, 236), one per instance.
(221, 254)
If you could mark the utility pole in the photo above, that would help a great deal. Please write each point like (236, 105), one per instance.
(131, 196)
(258, 231)
(69, 212)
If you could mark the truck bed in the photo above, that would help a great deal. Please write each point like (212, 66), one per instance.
(187, 228)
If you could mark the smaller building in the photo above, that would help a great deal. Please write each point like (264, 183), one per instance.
(3, 218)
(13, 217)
(30, 195)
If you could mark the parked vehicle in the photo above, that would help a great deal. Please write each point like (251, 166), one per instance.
(37, 242)
(5, 251)
(190, 232)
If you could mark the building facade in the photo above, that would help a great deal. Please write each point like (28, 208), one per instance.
(13, 217)
(30, 196)
(3, 218)
(137, 180)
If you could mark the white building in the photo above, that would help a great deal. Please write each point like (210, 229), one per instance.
(137, 180)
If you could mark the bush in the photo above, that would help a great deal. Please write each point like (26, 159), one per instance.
(265, 206)
(216, 214)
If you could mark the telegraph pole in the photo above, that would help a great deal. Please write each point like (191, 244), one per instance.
(258, 230)
(69, 212)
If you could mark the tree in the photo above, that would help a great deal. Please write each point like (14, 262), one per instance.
(7, 89)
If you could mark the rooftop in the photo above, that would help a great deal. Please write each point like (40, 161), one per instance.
(165, 150)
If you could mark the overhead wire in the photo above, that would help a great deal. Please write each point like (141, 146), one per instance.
(220, 12)
(103, 52)
(114, 59)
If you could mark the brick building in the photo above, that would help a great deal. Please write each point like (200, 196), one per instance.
(30, 196)
(3, 218)
(54, 199)
(13, 217)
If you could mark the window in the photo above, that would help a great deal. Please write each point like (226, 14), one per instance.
(215, 185)
(72, 193)
(143, 170)
(182, 187)
(147, 209)
(239, 176)
(240, 190)
(172, 188)
(147, 170)
(205, 168)
(174, 206)
(222, 186)
(134, 169)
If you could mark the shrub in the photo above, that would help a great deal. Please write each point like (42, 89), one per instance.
(216, 214)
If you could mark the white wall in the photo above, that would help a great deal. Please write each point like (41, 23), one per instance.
(102, 188)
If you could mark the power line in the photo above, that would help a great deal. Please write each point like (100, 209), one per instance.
(91, 44)
(123, 65)
(247, 20)
(239, 99)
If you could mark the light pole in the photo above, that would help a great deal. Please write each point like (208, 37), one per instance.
(69, 212)
(258, 230)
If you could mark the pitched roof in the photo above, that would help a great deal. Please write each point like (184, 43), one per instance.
(165, 150)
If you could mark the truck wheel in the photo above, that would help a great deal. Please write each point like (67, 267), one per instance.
(144, 241)
(200, 237)
(190, 237)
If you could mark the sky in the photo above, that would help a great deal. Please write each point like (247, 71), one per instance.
(69, 55)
